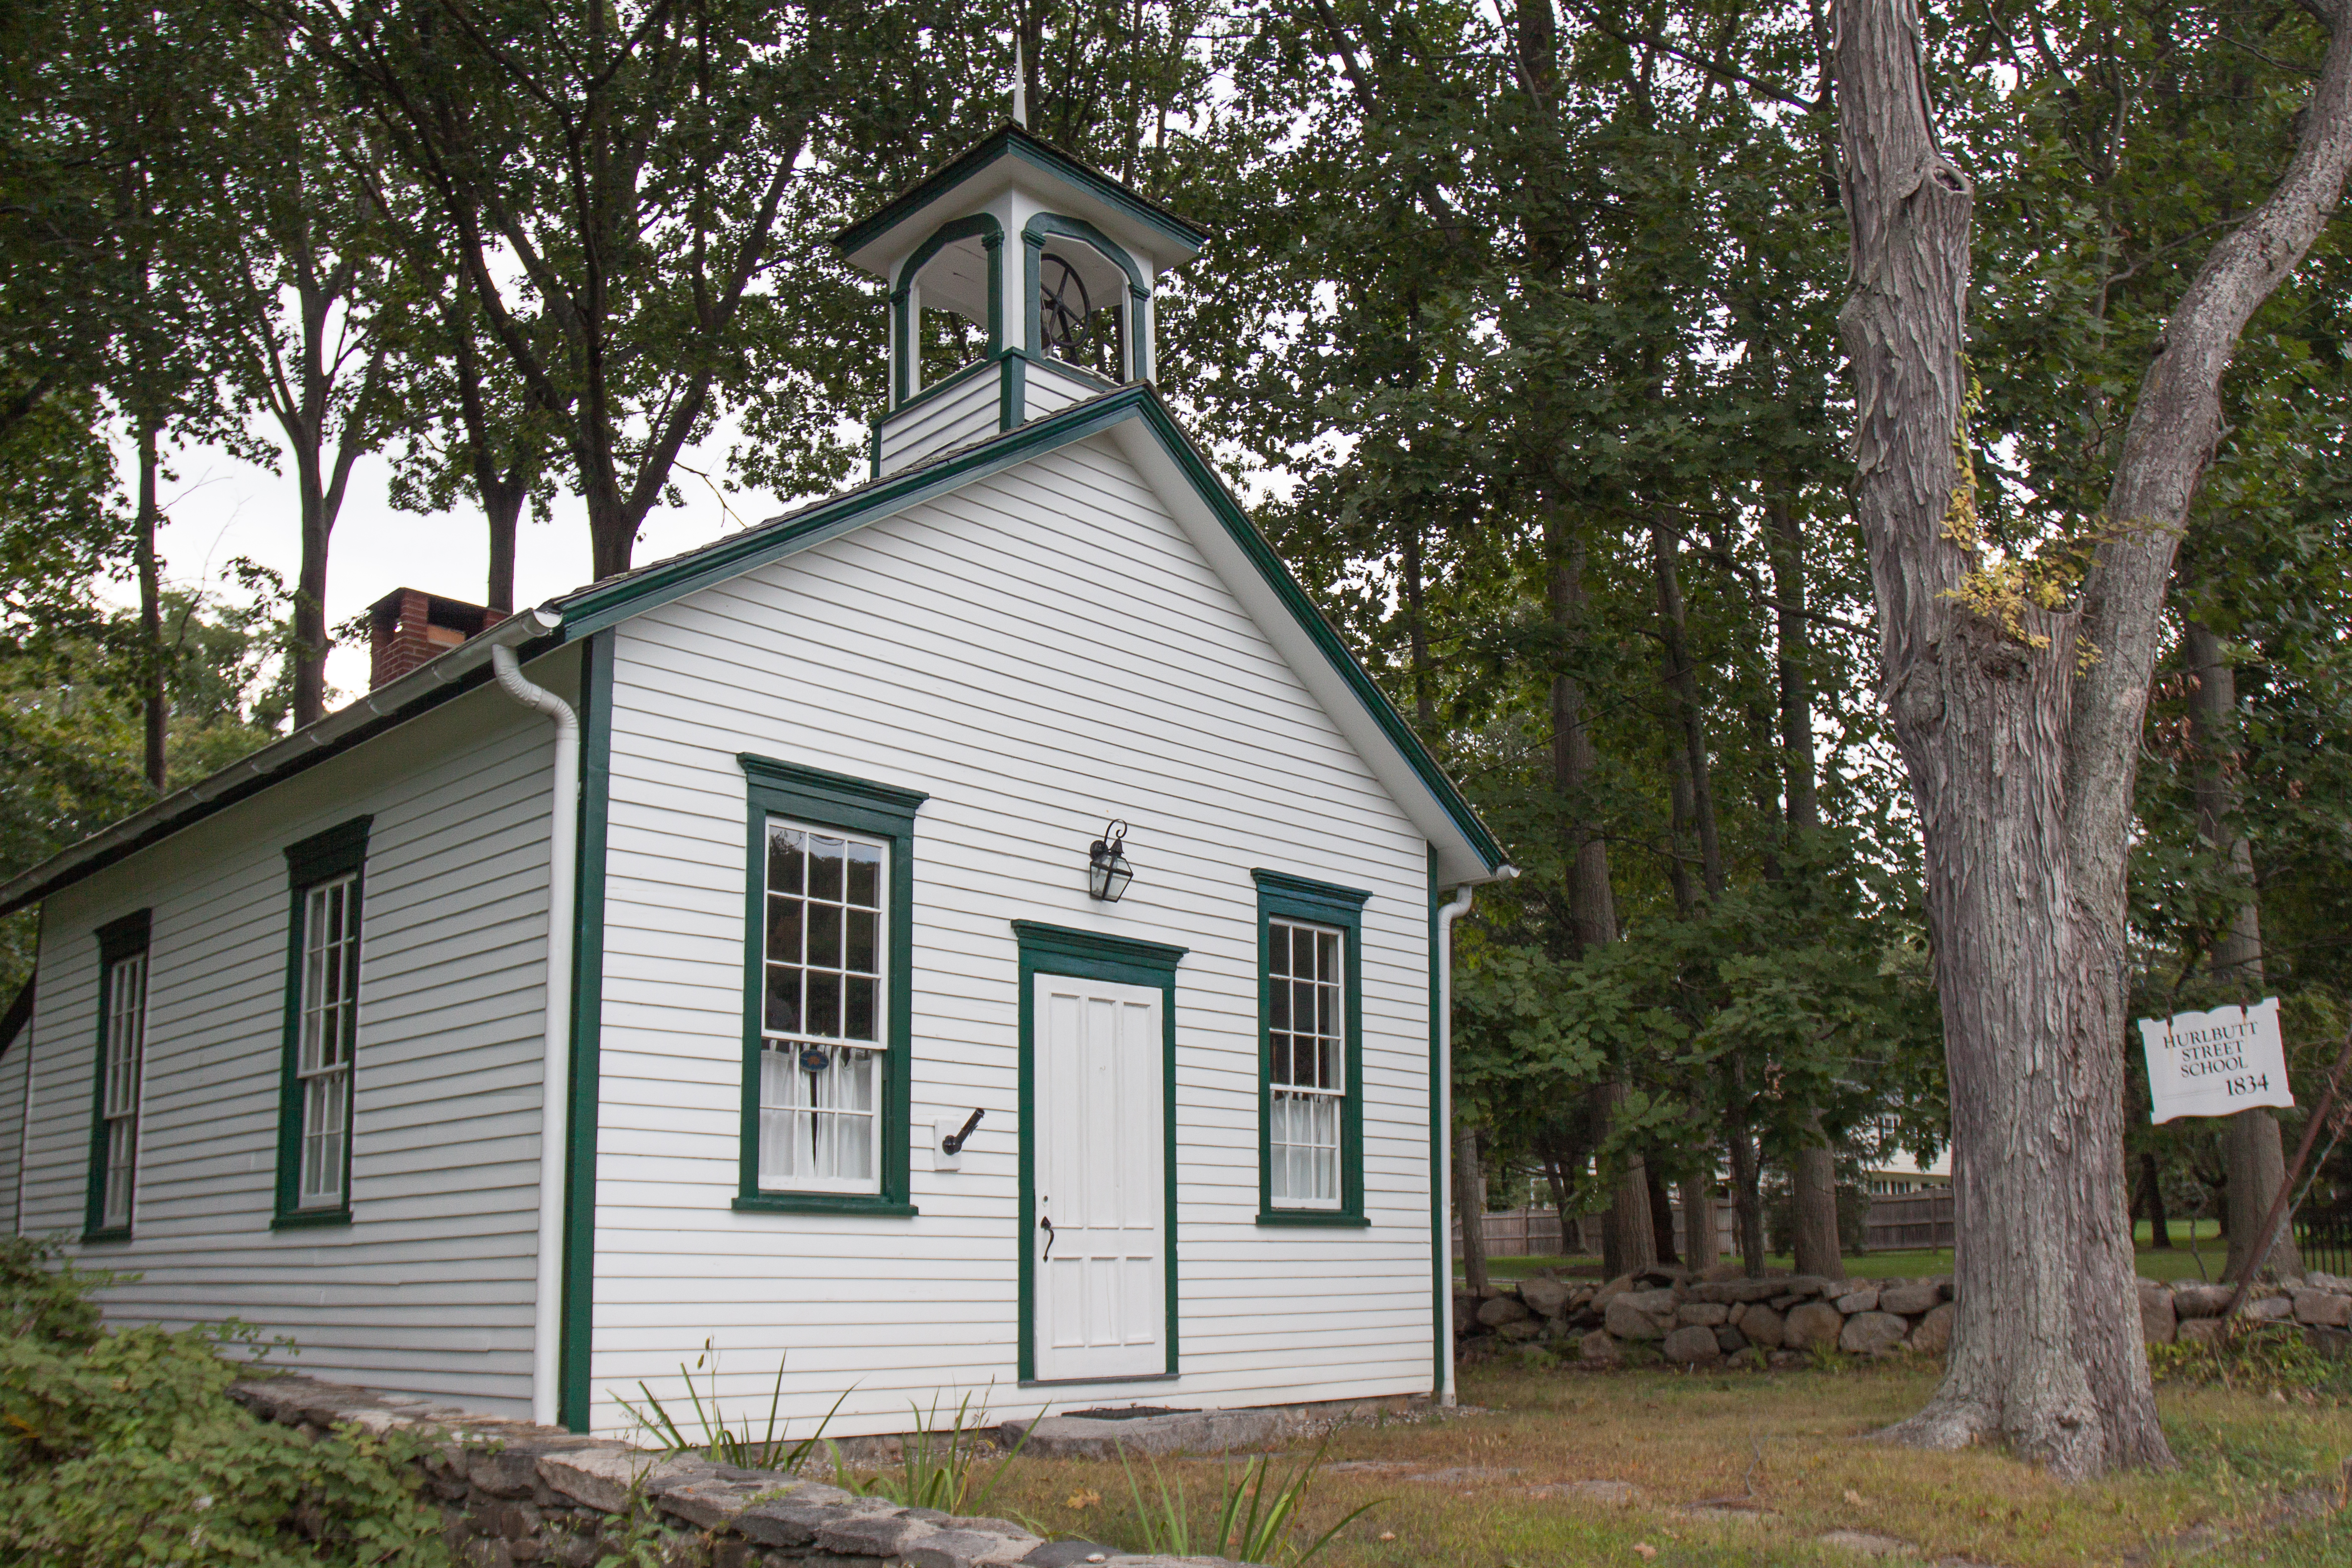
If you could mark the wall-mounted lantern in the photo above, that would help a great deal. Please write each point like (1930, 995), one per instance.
(1107, 872)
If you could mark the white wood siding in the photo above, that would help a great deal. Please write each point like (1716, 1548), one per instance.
(429, 1288)
(1041, 652)
(1050, 386)
(16, 1069)
(954, 418)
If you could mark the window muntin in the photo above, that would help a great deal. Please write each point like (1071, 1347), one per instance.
(121, 1060)
(1307, 1044)
(327, 1031)
(824, 1004)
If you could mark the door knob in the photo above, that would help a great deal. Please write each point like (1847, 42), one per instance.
(1046, 1225)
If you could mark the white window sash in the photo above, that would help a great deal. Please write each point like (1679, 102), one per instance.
(1307, 1119)
(809, 1129)
(326, 1025)
(122, 1066)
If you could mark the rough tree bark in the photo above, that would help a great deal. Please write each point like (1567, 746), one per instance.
(155, 701)
(1814, 1179)
(1699, 1250)
(1662, 1217)
(2257, 1164)
(1470, 1207)
(1817, 1250)
(1593, 906)
(2018, 726)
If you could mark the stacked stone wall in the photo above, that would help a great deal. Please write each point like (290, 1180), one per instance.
(1693, 1322)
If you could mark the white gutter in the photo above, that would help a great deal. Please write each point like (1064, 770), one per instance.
(1446, 915)
(555, 1059)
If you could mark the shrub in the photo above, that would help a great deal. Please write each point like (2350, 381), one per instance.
(2257, 1356)
(123, 1447)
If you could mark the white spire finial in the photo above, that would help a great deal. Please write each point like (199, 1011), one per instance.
(1020, 86)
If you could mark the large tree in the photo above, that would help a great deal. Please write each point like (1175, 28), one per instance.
(2016, 692)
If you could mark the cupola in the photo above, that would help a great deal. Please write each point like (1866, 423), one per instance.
(1020, 281)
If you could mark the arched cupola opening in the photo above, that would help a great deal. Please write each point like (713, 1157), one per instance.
(1088, 302)
(948, 308)
(1020, 280)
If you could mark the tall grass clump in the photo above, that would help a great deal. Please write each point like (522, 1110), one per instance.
(1251, 1524)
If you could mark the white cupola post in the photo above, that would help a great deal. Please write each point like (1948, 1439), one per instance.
(1042, 267)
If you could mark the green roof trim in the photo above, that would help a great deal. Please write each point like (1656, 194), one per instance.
(617, 599)
(1010, 140)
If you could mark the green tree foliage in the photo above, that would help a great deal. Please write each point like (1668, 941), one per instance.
(122, 1447)
(71, 726)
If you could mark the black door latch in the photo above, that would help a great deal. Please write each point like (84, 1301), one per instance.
(953, 1142)
(1046, 1225)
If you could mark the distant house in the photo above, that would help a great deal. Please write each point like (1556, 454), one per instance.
(793, 1007)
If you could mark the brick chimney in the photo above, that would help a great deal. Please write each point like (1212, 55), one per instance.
(407, 626)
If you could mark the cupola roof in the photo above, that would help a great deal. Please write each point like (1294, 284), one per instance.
(874, 244)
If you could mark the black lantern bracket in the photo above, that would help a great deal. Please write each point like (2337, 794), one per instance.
(1107, 872)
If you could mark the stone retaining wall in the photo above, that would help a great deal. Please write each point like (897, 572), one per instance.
(1695, 1321)
(513, 1493)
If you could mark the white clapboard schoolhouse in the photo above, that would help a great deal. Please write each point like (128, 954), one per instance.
(737, 950)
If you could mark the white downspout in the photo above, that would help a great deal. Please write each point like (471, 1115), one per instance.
(1446, 915)
(555, 1062)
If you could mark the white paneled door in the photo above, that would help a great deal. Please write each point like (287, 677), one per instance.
(1100, 1241)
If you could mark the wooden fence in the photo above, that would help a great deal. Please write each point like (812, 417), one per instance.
(1911, 1222)
(1908, 1223)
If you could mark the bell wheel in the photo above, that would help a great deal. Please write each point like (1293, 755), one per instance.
(1063, 305)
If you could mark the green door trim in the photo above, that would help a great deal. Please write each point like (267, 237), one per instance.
(1122, 961)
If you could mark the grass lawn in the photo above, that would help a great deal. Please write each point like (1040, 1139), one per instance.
(1490, 1490)
(2182, 1260)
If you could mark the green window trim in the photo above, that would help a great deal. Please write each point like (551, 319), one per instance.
(1122, 961)
(117, 940)
(1281, 895)
(339, 850)
(822, 799)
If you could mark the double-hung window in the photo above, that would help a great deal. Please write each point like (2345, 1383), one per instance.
(823, 1010)
(1310, 1107)
(1306, 1074)
(826, 934)
(120, 1070)
(322, 995)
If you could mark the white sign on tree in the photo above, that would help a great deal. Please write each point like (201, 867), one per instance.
(2217, 1063)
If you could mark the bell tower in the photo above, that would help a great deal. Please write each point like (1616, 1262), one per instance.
(1020, 281)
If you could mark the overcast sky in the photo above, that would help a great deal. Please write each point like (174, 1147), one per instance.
(218, 508)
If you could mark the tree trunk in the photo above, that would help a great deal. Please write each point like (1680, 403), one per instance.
(1747, 1189)
(1682, 684)
(1628, 1242)
(1814, 1179)
(1592, 907)
(2160, 1228)
(504, 516)
(310, 602)
(2257, 1164)
(1662, 1217)
(1799, 787)
(1699, 1252)
(1814, 1182)
(2019, 728)
(155, 703)
(1470, 1207)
